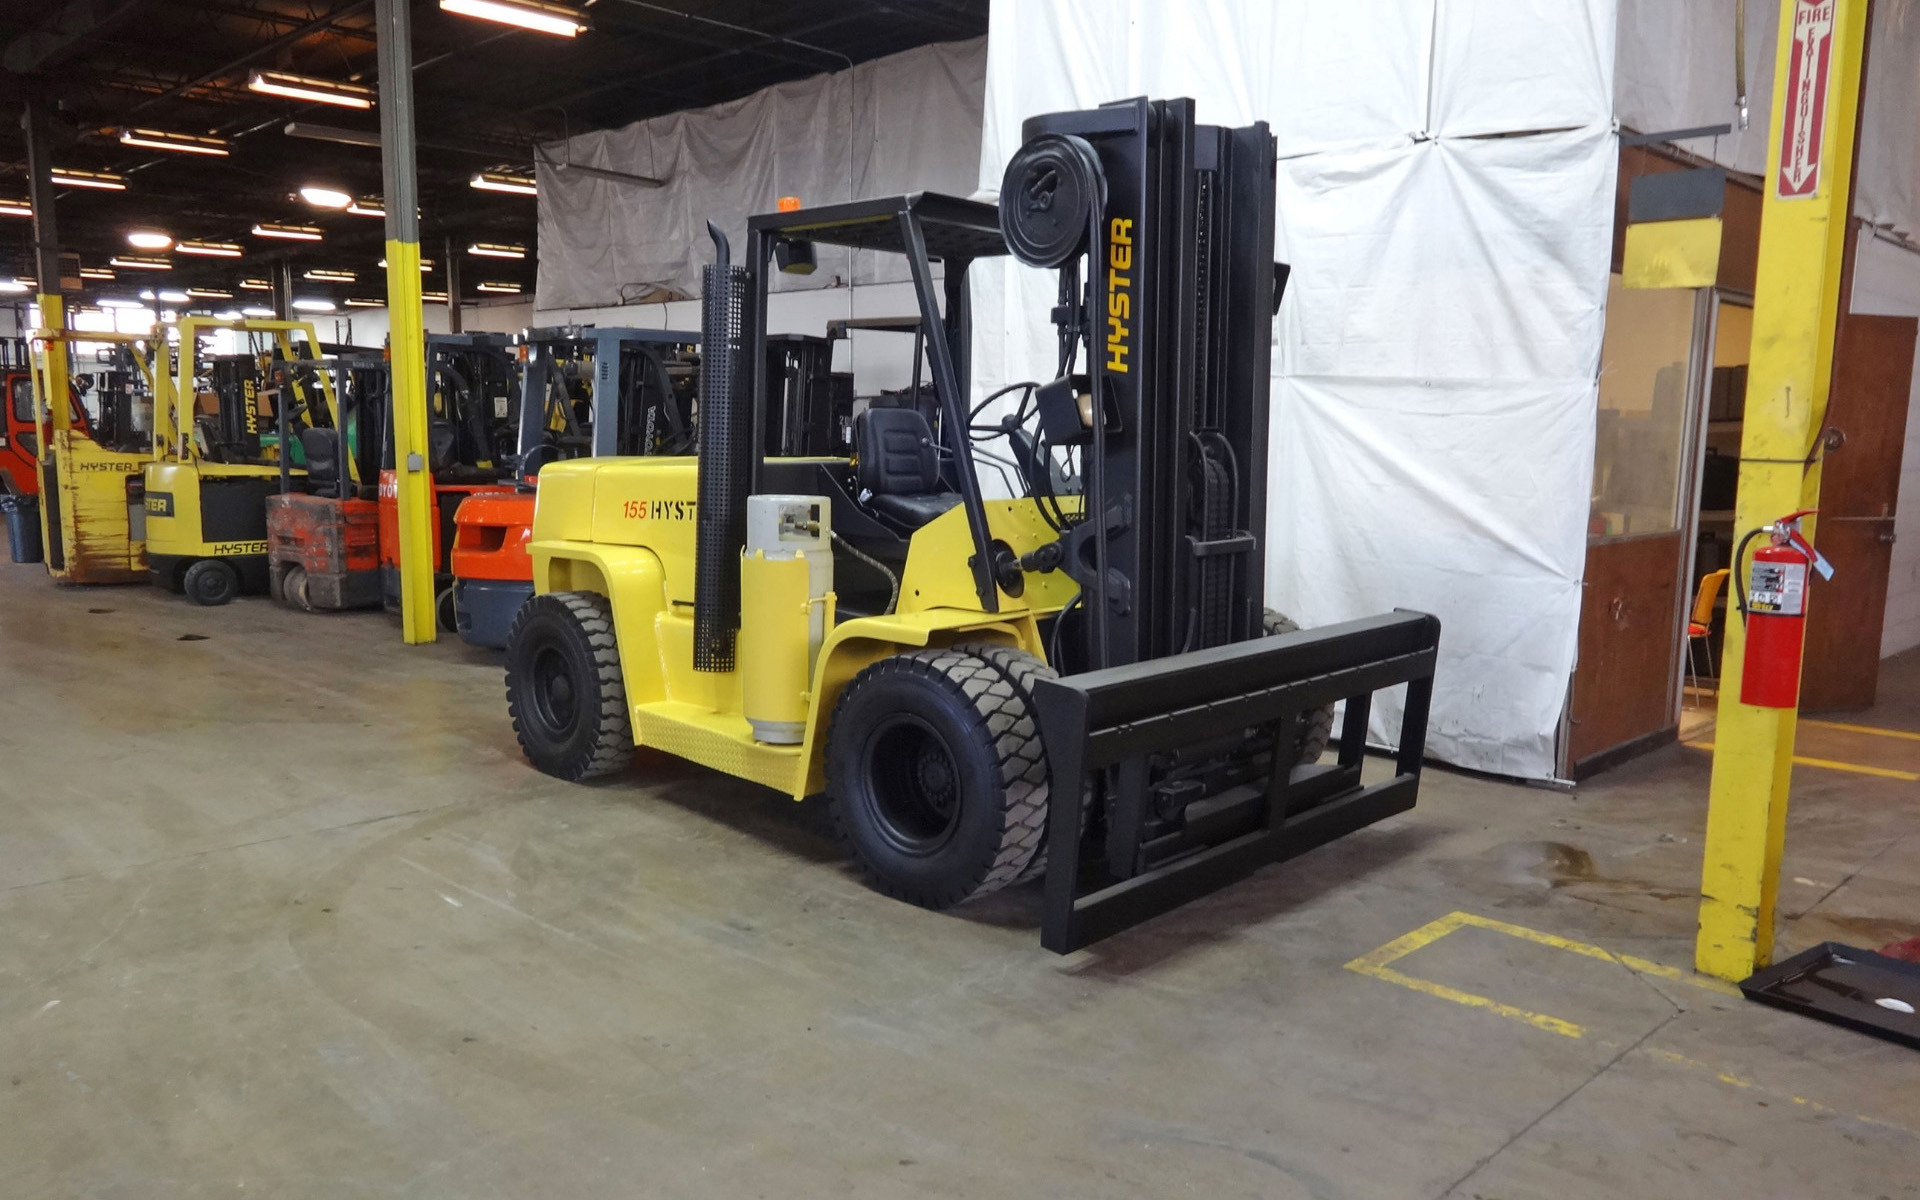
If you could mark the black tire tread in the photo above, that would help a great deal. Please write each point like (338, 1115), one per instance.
(1021, 669)
(1318, 729)
(613, 747)
(1004, 722)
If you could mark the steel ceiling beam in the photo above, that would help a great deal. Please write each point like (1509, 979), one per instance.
(290, 38)
(66, 31)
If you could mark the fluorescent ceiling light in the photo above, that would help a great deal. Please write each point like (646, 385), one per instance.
(209, 294)
(357, 302)
(436, 297)
(426, 264)
(184, 143)
(497, 250)
(96, 273)
(118, 303)
(210, 249)
(536, 15)
(325, 197)
(106, 181)
(173, 297)
(14, 287)
(149, 294)
(509, 288)
(306, 87)
(297, 233)
(368, 206)
(15, 208)
(314, 305)
(328, 276)
(149, 239)
(256, 312)
(255, 285)
(504, 181)
(141, 262)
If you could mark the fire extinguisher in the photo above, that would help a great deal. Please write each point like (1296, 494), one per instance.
(1773, 606)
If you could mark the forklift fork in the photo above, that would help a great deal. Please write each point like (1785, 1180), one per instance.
(1115, 725)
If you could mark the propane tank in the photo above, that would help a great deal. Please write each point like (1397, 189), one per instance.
(786, 601)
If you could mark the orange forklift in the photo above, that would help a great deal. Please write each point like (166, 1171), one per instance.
(472, 426)
(323, 531)
(584, 391)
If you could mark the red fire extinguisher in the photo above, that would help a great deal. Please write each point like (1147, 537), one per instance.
(1773, 604)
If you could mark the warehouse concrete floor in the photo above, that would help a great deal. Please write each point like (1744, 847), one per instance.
(283, 913)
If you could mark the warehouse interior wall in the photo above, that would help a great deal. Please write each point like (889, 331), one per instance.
(1886, 281)
(369, 326)
(1446, 199)
(1675, 70)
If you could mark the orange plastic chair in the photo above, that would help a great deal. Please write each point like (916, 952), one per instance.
(1700, 620)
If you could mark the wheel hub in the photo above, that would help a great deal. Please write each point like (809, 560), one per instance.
(913, 785)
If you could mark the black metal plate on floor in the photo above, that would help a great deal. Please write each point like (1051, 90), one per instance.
(1859, 989)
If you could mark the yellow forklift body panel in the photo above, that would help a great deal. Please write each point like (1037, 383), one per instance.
(625, 528)
(97, 529)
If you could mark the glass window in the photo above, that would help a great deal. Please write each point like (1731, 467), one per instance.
(1645, 359)
(23, 400)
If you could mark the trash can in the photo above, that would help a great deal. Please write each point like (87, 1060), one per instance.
(23, 527)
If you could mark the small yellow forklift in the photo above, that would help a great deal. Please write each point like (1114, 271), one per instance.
(215, 463)
(92, 512)
(1081, 681)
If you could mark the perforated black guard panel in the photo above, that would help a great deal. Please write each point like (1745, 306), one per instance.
(725, 428)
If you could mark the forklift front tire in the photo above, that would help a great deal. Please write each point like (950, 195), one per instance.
(564, 689)
(1317, 729)
(937, 776)
(211, 582)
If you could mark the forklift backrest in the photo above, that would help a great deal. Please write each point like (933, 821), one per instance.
(895, 452)
(322, 450)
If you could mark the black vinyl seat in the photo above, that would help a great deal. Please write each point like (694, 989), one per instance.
(898, 463)
(321, 448)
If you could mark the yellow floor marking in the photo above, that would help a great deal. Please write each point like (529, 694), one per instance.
(1375, 963)
(1732, 1080)
(1834, 764)
(1876, 730)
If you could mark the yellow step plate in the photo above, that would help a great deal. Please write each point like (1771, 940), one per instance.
(722, 741)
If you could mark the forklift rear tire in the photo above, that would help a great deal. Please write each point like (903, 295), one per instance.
(444, 611)
(293, 588)
(936, 776)
(1318, 727)
(211, 582)
(564, 689)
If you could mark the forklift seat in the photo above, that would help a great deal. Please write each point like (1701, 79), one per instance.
(322, 450)
(443, 443)
(896, 460)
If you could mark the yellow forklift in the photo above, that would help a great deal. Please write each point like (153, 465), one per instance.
(92, 511)
(218, 455)
(1081, 681)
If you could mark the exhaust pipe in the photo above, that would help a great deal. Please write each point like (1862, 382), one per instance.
(725, 468)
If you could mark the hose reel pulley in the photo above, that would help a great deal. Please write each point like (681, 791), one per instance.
(1050, 197)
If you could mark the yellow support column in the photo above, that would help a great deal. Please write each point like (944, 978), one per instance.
(1796, 305)
(407, 346)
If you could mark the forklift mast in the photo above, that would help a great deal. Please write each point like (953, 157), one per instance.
(639, 399)
(1162, 230)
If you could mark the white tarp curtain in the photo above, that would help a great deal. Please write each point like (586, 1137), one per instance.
(1446, 201)
(907, 122)
(1676, 71)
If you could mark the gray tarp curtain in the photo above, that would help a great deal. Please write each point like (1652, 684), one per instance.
(907, 122)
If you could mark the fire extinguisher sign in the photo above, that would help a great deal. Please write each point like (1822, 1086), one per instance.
(1777, 588)
(1804, 129)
